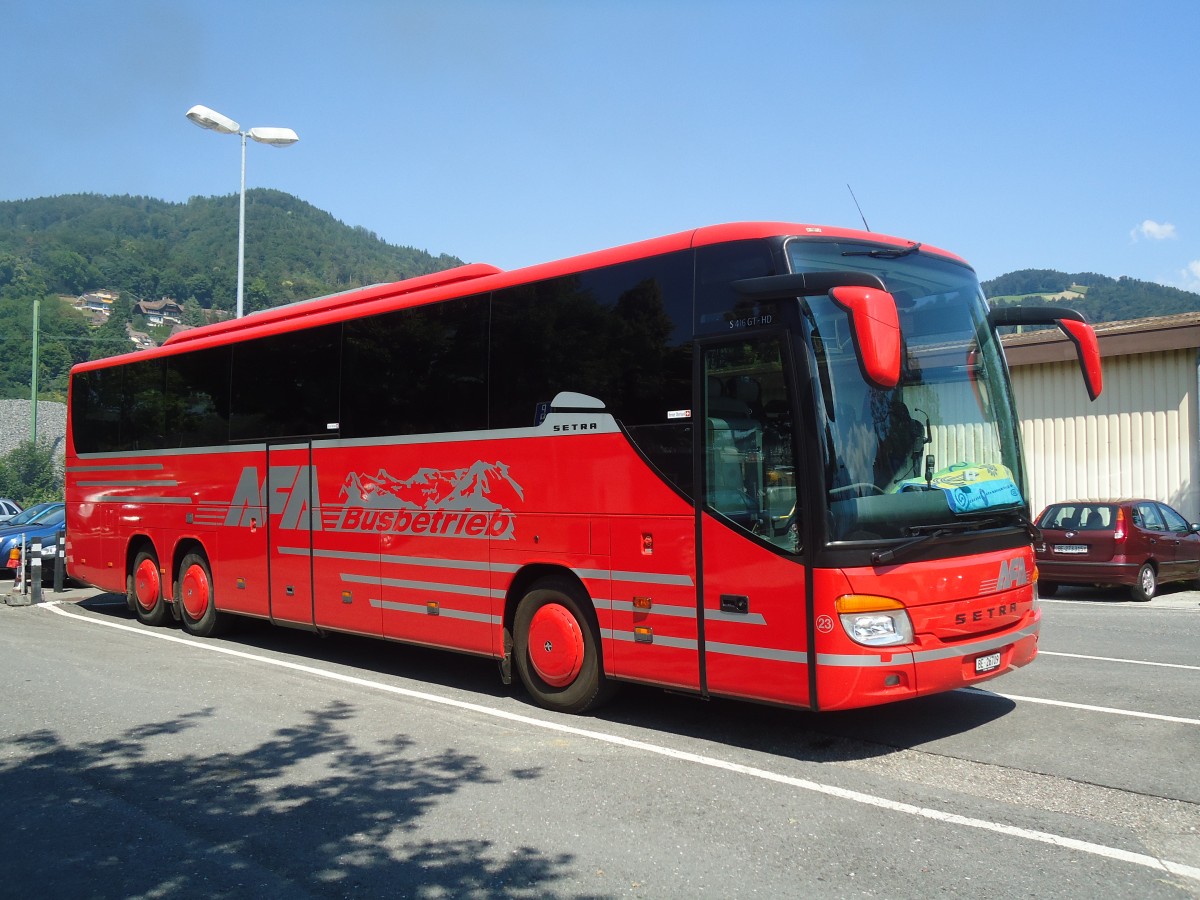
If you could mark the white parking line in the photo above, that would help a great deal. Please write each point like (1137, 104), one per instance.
(1041, 837)
(1109, 710)
(1114, 659)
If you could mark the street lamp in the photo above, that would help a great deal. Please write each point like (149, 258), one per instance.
(276, 137)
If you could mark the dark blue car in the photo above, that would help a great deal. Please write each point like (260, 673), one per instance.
(43, 522)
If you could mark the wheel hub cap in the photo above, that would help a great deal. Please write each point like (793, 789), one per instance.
(558, 640)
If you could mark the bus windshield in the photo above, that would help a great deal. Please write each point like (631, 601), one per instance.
(941, 448)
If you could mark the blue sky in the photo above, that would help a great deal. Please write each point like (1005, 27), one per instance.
(1061, 135)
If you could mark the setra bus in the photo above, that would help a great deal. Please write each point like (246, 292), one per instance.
(759, 460)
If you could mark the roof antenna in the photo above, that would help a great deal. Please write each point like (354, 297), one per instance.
(859, 208)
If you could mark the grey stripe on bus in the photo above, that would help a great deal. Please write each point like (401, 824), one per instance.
(123, 498)
(508, 568)
(442, 611)
(682, 612)
(116, 467)
(435, 586)
(140, 483)
(974, 648)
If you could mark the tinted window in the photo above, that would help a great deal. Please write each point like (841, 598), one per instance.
(197, 398)
(1080, 517)
(286, 385)
(119, 408)
(416, 371)
(621, 334)
(717, 303)
(96, 401)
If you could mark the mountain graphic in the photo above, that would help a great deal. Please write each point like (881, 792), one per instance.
(480, 486)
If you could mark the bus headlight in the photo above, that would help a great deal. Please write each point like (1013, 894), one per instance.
(874, 621)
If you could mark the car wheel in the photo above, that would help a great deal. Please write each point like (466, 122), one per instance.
(1147, 584)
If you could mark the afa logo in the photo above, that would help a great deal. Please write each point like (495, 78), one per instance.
(475, 502)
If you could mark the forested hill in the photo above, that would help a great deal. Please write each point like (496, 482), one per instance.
(1100, 298)
(147, 249)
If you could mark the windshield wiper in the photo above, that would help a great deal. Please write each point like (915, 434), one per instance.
(922, 533)
(885, 252)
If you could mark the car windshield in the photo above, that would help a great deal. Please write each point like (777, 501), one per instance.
(31, 515)
(54, 516)
(942, 446)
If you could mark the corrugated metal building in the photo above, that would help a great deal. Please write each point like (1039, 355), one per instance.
(1140, 438)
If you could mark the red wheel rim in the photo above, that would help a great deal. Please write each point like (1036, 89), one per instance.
(146, 586)
(555, 645)
(195, 591)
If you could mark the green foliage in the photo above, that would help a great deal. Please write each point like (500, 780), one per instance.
(146, 249)
(28, 474)
(1106, 300)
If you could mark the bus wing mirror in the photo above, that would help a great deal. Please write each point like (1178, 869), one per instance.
(875, 326)
(1087, 348)
(1072, 324)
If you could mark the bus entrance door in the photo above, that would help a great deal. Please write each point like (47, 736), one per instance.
(752, 604)
(290, 492)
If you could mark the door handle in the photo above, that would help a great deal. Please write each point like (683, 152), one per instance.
(735, 603)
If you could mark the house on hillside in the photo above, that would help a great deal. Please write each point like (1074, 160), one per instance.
(1141, 438)
(97, 302)
(139, 339)
(160, 312)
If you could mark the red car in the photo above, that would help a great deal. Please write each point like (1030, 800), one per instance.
(1139, 543)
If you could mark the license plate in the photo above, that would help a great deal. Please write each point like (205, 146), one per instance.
(987, 663)
(1070, 548)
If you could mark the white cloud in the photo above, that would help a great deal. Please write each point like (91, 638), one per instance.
(1155, 231)
(1191, 277)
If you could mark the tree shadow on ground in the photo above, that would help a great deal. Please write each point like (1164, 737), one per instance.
(308, 811)
(825, 737)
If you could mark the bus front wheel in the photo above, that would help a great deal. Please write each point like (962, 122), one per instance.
(194, 596)
(144, 586)
(557, 649)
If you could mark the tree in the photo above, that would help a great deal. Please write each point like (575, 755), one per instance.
(28, 474)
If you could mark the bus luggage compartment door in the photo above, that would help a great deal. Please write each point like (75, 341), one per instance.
(290, 489)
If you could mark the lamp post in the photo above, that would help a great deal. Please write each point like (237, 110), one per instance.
(276, 137)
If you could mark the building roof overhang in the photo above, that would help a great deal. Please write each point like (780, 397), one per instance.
(1131, 336)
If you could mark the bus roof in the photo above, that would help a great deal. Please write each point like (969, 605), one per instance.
(481, 277)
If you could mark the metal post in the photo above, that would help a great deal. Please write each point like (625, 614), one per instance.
(33, 390)
(242, 230)
(60, 562)
(35, 569)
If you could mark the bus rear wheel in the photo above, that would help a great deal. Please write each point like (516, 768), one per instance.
(557, 649)
(194, 597)
(143, 585)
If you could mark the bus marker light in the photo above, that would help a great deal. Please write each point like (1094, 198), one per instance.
(643, 634)
(347, 597)
(647, 544)
(433, 608)
(642, 603)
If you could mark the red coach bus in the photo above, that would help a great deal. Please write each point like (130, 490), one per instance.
(766, 461)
